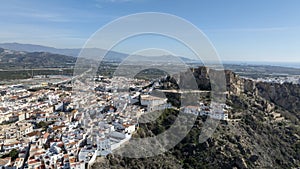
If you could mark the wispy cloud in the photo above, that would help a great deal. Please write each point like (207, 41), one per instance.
(31, 13)
(27, 33)
(52, 17)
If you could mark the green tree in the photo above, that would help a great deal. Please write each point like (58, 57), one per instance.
(14, 154)
(42, 124)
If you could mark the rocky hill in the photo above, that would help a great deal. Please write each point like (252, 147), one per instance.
(263, 131)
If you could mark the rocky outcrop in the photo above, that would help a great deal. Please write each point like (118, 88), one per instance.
(286, 95)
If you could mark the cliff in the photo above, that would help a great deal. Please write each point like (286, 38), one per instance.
(286, 95)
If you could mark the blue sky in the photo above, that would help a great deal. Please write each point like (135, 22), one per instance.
(252, 30)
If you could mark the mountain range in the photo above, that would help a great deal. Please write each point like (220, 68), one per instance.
(39, 48)
(12, 60)
(111, 56)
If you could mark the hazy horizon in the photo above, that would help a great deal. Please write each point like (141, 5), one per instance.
(247, 62)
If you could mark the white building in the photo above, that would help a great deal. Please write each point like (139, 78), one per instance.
(148, 100)
(103, 146)
(154, 103)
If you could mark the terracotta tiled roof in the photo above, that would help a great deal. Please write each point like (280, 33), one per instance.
(34, 133)
(5, 161)
(46, 135)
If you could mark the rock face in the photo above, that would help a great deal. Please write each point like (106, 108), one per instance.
(202, 78)
(285, 95)
(263, 131)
